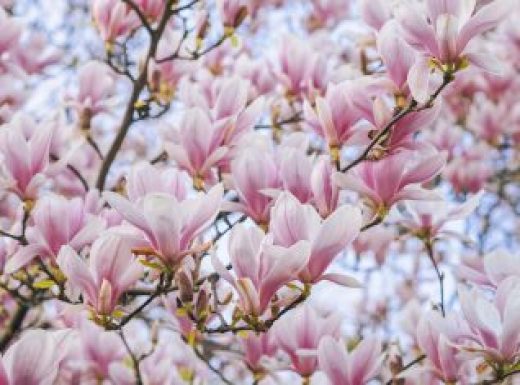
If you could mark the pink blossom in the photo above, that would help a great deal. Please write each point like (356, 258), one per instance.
(250, 181)
(334, 118)
(428, 219)
(151, 9)
(34, 359)
(443, 33)
(292, 222)
(324, 190)
(350, 368)
(144, 179)
(111, 270)
(57, 222)
(301, 330)
(392, 179)
(95, 92)
(491, 269)
(232, 12)
(494, 325)
(436, 337)
(197, 146)
(25, 155)
(169, 227)
(261, 268)
(257, 347)
(113, 19)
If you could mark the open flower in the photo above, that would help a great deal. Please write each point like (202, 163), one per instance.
(111, 270)
(392, 179)
(301, 330)
(442, 36)
(292, 222)
(261, 268)
(169, 226)
(57, 222)
(350, 368)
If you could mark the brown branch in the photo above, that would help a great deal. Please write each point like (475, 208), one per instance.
(14, 325)
(138, 86)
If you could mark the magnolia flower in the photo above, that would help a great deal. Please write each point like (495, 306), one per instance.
(95, 92)
(334, 118)
(57, 222)
(34, 359)
(232, 12)
(261, 268)
(490, 270)
(169, 227)
(350, 368)
(145, 179)
(292, 222)
(197, 146)
(113, 19)
(257, 347)
(443, 34)
(111, 270)
(301, 330)
(250, 183)
(375, 13)
(324, 191)
(11, 31)
(494, 325)
(402, 136)
(25, 156)
(392, 179)
(436, 337)
(398, 57)
(428, 219)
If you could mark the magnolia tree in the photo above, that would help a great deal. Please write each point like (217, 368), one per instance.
(259, 192)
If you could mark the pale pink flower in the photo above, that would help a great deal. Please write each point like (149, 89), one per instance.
(231, 106)
(232, 12)
(144, 179)
(429, 219)
(250, 181)
(442, 36)
(169, 227)
(197, 146)
(295, 172)
(256, 348)
(57, 221)
(328, 12)
(111, 269)
(377, 241)
(295, 65)
(334, 118)
(300, 331)
(436, 337)
(491, 269)
(494, 325)
(95, 93)
(392, 179)
(350, 368)
(25, 156)
(113, 19)
(375, 13)
(11, 31)
(324, 191)
(398, 57)
(469, 172)
(402, 136)
(260, 267)
(34, 359)
(292, 222)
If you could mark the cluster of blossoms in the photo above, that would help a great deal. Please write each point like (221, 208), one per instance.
(260, 192)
